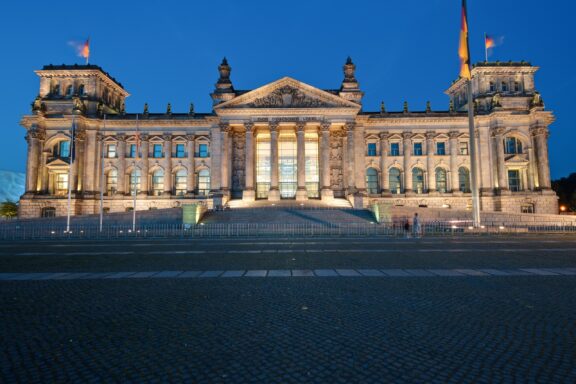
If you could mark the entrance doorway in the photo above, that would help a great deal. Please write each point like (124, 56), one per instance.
(287, 164)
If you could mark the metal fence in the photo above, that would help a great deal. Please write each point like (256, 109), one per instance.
(219, 230)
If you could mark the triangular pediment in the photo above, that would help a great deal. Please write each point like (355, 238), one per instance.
(286, 93)
(57, 162)
(518, 159)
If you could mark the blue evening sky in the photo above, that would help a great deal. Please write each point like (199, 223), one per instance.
(164, 51)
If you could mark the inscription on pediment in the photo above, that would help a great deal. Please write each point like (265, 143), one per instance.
(288, 97)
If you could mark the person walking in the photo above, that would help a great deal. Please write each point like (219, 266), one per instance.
(416, 227)
(407, 228)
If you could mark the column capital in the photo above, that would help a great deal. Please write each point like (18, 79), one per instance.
(190, 137)
(81, 134)
(167, 137)
(538, 130)
(144, 137)
(249, 126)
(453, 134)
(121, 137)
(497, 131)
(384, 136)
(325, 126)
(300, 126)
(407, 135)
(273, 126)
(350, 125)
(225, 127)
(430, 135)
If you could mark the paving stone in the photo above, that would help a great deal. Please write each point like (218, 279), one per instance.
(370, 272)
(167, 274)
(141, 275)
(233, 274)
(256, 273)
(347, 272)
(302, 273)
(119, 275)
(472, 272)
(446, 272)
(279, 273)
(494, 272)
(540, 272)
(325, 273)
(419, 272)
(189, 274)
(210, 273)
(395, 272)
(562, 271)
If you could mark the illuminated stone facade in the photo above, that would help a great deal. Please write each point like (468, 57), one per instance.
(286, 140)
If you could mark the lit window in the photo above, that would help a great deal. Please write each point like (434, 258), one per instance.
(394, 149)
(441, 183)
(111, 151)
(158, 182)
(180, 182)
(157, 151)
(514, 183)
(418, 180)
(63, 149)
(441, 148)
(263, 165)
(135, 181)
(463, 147)
(417, 149)
(464, 179)
(180, 150)
(312, 171)
(203, 150)
(203, 182)
(527, 208)
(112, 182)
(371, 149)
(394, 180)
(512, 145)
(372, 181)
(61, 183)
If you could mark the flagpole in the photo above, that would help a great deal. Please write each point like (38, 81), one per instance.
(102, 181)
(485, 46)
(71, 160)
(135, 185)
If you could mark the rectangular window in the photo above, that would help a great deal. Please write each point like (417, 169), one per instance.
(111, 151)
(132, 151)
(463, 147)
(441, 148)
(504, 86)
(64, 149)
(371, 149)
(394, 149)
(514, 180)
(312, 171)
(203, 150)
(263, 165)
(527, 208)
(61, 183)
(492, 87)
(417, 149)
(157, 151)
(180, 151)
(516, 86)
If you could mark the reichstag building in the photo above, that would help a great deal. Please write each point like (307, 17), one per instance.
(285, 140)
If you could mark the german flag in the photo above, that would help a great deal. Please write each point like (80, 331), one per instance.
(463, 50)
(85, 50)
(489, 42)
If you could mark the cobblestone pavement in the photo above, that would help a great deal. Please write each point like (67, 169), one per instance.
(427, 327)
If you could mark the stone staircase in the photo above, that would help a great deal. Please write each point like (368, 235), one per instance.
(339, 213)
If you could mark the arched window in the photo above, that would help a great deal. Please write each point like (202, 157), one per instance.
(203, 182)
(69, 90)
(372, 181)
(180, 182)
(135, 176)
(512, 145)
(61, 150)
(112, 182)
(394, 180)
(56, 89)
(158, 182)
(441, 184)
(417, 180)
(464, 179)
(81, 90)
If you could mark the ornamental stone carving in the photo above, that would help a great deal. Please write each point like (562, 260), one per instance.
(238, 160)
(336, 163)
(287, 97)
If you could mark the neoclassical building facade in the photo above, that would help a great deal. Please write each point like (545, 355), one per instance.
(285, 140)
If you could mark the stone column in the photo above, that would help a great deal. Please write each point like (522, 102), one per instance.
(500, 161)
(454, 161)
(145, 165)
(274, 193)
(301, 193)
(121, 163)
(384, 145)
(351, 157)
(216, 158)
(430, 161)
(530, 169)
(327, 194)
(90, 163)
(44, 173)
(407, 147)
(540, 135)
(167, 164)
(360, 159)
(80, 156)
(225, 131)
(249, 194)
(191, 175)
(33, 161)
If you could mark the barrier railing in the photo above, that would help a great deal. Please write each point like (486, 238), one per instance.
(217, 230)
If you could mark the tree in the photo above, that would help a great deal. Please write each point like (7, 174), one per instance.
(8, 209)
(566, 190)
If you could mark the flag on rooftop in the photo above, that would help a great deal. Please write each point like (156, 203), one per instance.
(463, 50)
